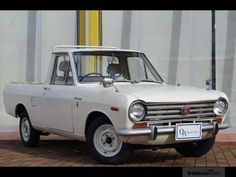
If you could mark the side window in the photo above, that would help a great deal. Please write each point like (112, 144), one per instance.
(62, 74)
(136, 68)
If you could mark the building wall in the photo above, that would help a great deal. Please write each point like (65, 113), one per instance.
(13, 41)
(26, 41)
(225, 57)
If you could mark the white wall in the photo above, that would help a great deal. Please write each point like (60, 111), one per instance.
(13, 38)
(57, 27)
(154, 45)
(111, 28)
(53, 28)
(151, 32)
(225, 57)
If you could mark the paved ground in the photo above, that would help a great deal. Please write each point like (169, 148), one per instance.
(58, 151)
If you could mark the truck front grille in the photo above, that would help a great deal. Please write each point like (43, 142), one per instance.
(171, 111)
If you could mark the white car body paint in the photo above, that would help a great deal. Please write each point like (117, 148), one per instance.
(63, 110)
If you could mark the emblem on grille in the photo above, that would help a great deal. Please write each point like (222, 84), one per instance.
(185, 111)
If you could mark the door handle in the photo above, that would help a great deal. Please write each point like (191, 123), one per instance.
(46, 88)
(76, 98)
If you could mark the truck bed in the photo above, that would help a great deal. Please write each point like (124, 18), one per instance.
(16, 93)
(26, 82)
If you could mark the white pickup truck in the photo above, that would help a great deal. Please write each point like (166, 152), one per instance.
(115, 100)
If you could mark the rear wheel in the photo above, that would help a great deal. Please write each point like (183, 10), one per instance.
(104, 144)
(196, 149)
(29, 136)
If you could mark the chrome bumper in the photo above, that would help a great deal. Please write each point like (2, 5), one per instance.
(153, 130)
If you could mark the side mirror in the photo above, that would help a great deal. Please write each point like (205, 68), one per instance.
(107, 82)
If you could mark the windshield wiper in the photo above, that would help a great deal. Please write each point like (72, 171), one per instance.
(126, 80)
(149, 80)
(135, 81)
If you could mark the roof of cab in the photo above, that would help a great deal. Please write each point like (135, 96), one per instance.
(79, 48)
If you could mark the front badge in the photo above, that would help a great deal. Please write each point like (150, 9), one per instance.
(185, 111)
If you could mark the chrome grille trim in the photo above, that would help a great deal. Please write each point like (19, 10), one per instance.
(170, 111)
(178, 106)
(178, 121)
(181, 116)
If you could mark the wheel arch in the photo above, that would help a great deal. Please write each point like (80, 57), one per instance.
(92, 116)
(20, 108)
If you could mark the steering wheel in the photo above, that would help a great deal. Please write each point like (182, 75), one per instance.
(82, 78)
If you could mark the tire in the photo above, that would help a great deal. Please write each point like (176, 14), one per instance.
(104, 145)
(29, 136)
(196, 149)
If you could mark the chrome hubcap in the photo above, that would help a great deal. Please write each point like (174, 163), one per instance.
(25, 129)
(106, 142)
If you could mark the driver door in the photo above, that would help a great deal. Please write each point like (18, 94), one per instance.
(58, 96)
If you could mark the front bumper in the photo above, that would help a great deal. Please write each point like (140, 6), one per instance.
(158, 135)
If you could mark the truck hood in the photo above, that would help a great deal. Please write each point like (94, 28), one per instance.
(168, 93)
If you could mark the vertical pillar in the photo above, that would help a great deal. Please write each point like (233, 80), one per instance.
(174, 46)
(94, 34)
(31, 42)
(81, 35)
(38, 48)
(191, 47)
(213, 60)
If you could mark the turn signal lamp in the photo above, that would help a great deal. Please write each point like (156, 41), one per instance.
(217, 120)
(139, 125)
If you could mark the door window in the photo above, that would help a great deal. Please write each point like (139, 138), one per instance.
(62, 74)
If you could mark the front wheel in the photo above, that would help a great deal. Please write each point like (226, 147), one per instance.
(29, 136)
(196, 149)
(104, 144)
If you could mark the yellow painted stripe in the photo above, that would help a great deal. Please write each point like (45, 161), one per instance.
(94, 27)
(94, 35)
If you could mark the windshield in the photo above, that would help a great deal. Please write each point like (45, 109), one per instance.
(120, 66)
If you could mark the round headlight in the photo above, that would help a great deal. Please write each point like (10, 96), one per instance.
(220, 107)
(136, 112)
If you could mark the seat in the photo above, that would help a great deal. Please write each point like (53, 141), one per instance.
(60, 80)
(63, 66)
(114, 70)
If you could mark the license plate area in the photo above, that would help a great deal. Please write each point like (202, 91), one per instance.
(188, 131)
